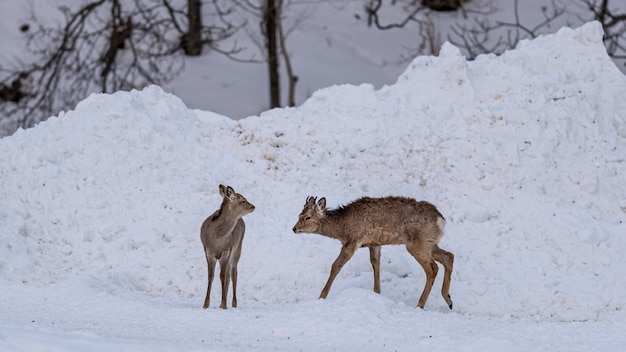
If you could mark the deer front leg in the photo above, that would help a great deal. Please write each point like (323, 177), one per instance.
(347, 251)
(233, 278)
(375, 260)
(225, 280)
(211, 267)
(234, 260)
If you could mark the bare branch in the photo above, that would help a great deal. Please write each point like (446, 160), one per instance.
(484, 37)
(374, 7)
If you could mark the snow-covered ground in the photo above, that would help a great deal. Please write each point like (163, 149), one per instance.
(100, 210)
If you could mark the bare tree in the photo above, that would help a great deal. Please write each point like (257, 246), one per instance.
(486, 36)
(293, 79)
(192, 40)
(104, 46)
(479, 33)
(269, 23)
(495, 37)
(274, 36)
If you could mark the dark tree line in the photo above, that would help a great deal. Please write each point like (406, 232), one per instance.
(110, 45)
(105, 46)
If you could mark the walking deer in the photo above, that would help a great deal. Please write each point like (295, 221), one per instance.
(373, 222)
(222, 235)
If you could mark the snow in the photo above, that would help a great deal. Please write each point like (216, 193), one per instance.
(100, 211)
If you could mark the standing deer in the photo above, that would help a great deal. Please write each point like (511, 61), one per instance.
(373, 222)
(222, 235)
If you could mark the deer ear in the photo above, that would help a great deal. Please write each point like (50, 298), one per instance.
(230, 193)
(309, 200)
(321, 204)
(227, 192)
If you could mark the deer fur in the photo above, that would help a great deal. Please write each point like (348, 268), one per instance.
(373, 222)
(222, 236)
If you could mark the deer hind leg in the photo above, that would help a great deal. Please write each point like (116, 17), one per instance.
(423, 255)
(211, 267)
(347, 251)
(447, 260)
(225, 279)
(234, 260)
(375, 260)
(233, 278)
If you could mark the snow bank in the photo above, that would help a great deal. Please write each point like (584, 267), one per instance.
(523, 153)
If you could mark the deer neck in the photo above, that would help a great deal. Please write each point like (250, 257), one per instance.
(225, 220)
(332, 228)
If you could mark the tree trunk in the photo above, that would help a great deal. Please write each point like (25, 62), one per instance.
(269, 20)
(293, 79)
(193, 38)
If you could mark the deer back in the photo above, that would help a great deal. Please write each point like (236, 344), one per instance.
(373, 221)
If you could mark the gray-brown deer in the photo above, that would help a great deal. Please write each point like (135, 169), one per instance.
(222, 236)
(373, 222)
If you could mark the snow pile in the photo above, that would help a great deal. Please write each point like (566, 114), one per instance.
(523, 154)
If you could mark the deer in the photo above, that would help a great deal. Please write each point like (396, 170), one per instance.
(374, 222)
(222, 235)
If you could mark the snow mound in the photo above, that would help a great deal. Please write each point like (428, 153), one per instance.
(523, 153)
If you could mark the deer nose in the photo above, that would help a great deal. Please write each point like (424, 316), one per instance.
(294, 229)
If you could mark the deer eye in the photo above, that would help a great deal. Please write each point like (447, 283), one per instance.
(307, 218)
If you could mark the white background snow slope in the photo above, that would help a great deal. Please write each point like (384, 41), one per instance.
(100, 210)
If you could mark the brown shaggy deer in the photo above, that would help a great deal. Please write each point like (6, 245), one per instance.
(373, 222)
(222, 235)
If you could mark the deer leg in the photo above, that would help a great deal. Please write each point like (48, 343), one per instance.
(447, 260)
(424, 257)
(234, 260)
(224, 278)
(211, 266)
(233, 278)
(347, 251)
(375, 260)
